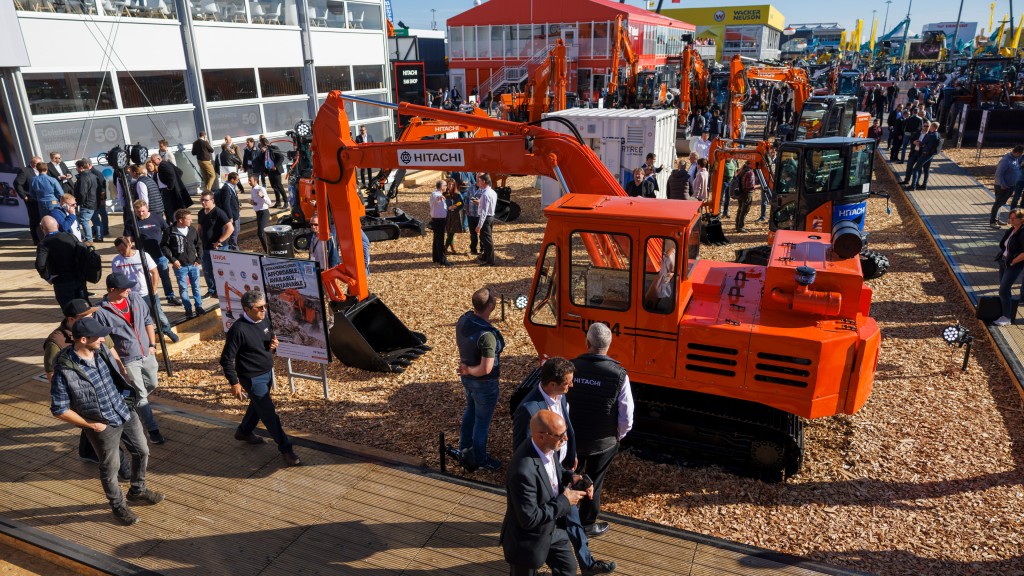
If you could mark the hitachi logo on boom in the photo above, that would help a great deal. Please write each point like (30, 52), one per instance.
(436, 157)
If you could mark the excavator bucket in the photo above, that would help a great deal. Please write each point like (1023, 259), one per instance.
(368, 335)
(506, 210)
(711, 230)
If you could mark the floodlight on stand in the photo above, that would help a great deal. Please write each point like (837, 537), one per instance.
(117, 158)
(139, 154)
(303, 130)
(521, 301)
(960, 337)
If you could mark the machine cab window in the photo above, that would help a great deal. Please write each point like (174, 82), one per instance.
(544, 308)
(600, 270)
(661, 279)
(861, 163)
(823, 170)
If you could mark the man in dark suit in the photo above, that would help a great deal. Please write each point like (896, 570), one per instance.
(22, 184)
(58, 169)
(365, 174)
(251, 161)
(539, 496)
(227, 200)
(556, 378)
(171, 187)
(273, 162)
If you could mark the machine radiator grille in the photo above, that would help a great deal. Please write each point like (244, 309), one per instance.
(709, 359)
(784, 370)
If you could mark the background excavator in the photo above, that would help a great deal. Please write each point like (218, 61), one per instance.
(725, 358)
(544, 90)
(622, 91)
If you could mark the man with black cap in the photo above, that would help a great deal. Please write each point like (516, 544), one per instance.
(133, 332)
(89, 391)
(57, 341)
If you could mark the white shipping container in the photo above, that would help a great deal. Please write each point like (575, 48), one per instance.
(621, 139)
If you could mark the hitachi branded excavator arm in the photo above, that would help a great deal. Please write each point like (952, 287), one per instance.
(622, 49)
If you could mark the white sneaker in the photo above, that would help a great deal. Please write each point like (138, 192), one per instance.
(1002, 321)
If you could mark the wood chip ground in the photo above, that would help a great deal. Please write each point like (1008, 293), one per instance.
(926, 479)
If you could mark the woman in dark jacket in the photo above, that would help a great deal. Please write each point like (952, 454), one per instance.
(456, 223)
(678, 187)
(1011, 264)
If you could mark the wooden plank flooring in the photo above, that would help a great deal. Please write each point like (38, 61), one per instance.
(232, 508)
(955, 208)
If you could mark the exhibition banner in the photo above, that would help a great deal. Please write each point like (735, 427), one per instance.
(295, 303)
(235, 273)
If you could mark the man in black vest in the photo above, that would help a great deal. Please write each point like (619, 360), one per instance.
(602, 411)
(480, 345)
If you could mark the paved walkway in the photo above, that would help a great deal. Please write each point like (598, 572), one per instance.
(955, 208)
(233, 509)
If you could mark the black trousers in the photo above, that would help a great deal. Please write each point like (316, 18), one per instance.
(262, 219)
(261, 409)
(365, 176)
(560, 558)
(1002, 195)
(275, 182)
(595, 466)
(473, 221)
(487, 240)
(437, 225)
(33, 220)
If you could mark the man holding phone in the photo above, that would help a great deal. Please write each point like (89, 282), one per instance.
(556, 378)
(538, 489)
(248, 363)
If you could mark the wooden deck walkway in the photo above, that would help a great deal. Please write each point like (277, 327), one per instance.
(232, 508)
(955, 208)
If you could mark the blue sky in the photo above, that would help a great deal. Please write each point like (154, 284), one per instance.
(416, 13)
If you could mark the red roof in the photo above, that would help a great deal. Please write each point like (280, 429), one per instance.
(559, 11)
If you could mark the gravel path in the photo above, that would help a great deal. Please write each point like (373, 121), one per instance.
(924, 480)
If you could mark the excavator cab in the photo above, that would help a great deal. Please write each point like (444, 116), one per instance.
(720, 88)
(825, 116)
(822, 185)
(849, 82)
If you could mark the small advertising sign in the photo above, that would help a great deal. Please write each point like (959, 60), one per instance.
(295, 301)
(235, 273)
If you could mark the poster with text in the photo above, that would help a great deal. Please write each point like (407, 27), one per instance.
(236, 273)
(295, 302)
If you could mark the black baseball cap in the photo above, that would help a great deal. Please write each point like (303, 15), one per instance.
(120, 281)
(89, 328)
(78, 308)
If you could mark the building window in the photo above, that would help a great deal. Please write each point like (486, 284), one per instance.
(523, 39)
(364, 16)
(584, 39)
(71, 92)
(511, 44)
(333, 78)
(229, 84)
(469, 40)
(144, 89)
(235, 121)
(368, 77)
(600, 39)
(80, 138)
(175, 127)
(281, 116)
(483, 41)
(281, 82)
(498, 41)
(455, 42)
(378, 131)
(368, 111)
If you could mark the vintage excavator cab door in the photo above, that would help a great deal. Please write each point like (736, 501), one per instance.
(660, 308)
(600, 263)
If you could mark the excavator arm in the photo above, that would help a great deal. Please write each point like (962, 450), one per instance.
(551, 73)
(622, 49)
(693, 84)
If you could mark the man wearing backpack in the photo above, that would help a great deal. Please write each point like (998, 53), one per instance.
(57, 262)
(746, 197)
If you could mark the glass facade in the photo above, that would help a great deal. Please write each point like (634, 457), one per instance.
(235, 121)
(80, 138)
(60, 93)
(229, 84)
(282, 116)
(368, 77)
(146, 89)
(333, 78)
(148, 129)
(161, 9)
(281, 82)
(662, 40)
(518, 42)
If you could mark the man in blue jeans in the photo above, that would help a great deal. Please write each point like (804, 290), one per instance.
(248, 363)
(480, 345)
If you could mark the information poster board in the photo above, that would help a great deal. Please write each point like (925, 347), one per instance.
(12, 208)
(295, 303)
(235, 273)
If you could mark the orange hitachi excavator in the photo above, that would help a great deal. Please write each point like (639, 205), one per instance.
(622, 52)
(694, 90)
(725, 358)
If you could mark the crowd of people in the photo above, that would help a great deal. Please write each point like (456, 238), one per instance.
(566, 433)
(463, 202)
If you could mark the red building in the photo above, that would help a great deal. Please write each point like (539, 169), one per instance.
(495, 43)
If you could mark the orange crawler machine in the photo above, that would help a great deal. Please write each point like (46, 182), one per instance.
(725, 358)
